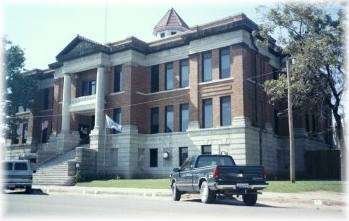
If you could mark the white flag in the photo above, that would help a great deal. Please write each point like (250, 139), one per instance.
(109, 123)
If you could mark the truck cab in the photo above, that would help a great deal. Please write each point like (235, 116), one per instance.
(18, 174)
(210, 175)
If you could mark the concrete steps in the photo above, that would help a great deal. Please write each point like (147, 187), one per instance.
(55, 171)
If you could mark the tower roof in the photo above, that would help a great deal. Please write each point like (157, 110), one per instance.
(171, 21)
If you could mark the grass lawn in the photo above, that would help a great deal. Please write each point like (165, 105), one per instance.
(274, 186)
(304, 186)
(134, 183)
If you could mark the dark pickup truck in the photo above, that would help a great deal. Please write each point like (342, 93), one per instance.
(210, 175)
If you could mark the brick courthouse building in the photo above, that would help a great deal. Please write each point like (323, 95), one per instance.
(195, 90)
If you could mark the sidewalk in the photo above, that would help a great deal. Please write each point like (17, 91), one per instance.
(310, 199)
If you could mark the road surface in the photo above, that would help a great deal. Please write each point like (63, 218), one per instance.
(106, 206)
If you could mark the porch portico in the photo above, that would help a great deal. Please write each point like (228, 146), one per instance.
(93, 104)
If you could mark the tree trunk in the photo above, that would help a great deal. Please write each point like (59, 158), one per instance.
(340, 143)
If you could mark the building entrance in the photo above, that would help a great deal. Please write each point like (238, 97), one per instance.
(86, 124)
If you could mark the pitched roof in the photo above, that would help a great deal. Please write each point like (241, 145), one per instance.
(81, 46)
(91, 46)
(171, 20)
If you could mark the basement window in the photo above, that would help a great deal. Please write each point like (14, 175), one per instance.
(153, 157)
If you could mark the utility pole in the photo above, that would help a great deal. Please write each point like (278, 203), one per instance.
(290, 124)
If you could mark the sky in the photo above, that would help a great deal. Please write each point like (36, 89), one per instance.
(43, 30)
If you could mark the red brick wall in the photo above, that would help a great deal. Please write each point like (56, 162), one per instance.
(245, 64)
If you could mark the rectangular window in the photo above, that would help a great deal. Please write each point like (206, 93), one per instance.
(225, 111)
(24, 132)
(207, 113)
(21, 166)
(169, 119)
(206, 149)
(46, 99)
(183, 155)
(88, 88)
(184, 74)
(169, 77)
(153, 157)
(8, 166)
(91, 87)
(154, 120)
(224, 63)
(44, 131)
(206, 66)
(154, 78)
(14, 134)
(117, 78)
(117, 118)
(183, 117)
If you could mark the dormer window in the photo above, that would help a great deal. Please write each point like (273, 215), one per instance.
(162, 35)
(173, 33)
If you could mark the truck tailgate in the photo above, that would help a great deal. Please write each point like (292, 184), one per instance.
(241, 174)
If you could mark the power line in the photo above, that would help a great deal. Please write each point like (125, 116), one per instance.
(106, 109)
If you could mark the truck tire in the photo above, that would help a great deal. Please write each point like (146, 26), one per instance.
(206, 195)
(28, 189)
(176, 195)
(250, 199)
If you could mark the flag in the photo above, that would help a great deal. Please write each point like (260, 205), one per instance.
(109, 123)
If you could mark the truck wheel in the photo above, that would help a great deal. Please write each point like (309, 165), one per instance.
(250, 199)
(28, 189)
(206, 195)
(176, 195)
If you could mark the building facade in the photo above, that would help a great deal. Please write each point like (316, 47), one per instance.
(195, 90)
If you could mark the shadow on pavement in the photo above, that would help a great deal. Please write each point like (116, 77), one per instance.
(23, 192)
(232, 202)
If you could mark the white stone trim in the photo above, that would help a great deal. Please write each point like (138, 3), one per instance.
(165, 91)
(86, 63)
(216, 81)
(82, 103)
(116, 93)
(169, 55)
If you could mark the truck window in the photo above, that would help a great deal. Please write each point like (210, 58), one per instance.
(208, 160)
(8, 166)
(20, 166)
(187, 163)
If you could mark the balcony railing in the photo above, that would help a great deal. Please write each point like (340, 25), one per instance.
(83, 103)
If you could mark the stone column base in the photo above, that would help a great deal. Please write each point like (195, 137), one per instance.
(97, 139)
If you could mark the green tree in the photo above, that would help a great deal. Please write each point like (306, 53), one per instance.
(313, 37)
(21, 88)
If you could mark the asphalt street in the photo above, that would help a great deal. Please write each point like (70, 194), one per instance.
(20, 205)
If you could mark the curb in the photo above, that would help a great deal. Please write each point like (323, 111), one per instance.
(105, 191)
(152, 193)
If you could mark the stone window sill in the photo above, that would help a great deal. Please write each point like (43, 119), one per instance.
(116, 93)
(165, 91)
(216, 81)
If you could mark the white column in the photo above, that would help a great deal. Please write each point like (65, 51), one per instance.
(66, 104)
(99, 108)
